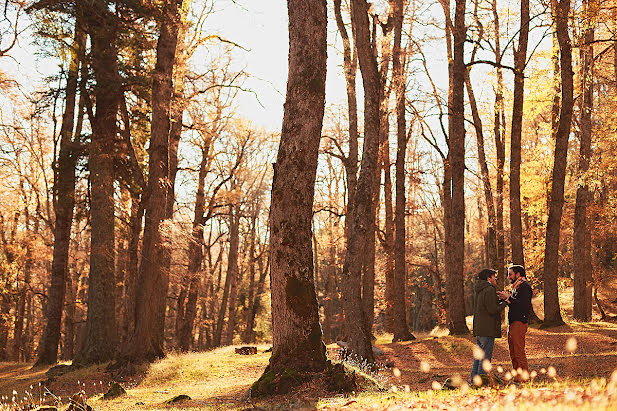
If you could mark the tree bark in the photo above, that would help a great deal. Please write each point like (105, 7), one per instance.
(187, 320)
(454, 281)
(296, 334)
(232, 270)
(259, 291)
(350, 66)
(100, 338)
(64, 204)
(520, 61)
(500, 149)
(552, 313)
(247, 334)
(486, 182)
(146, 342)
(400, 327)
(582, 222)
(363, 217)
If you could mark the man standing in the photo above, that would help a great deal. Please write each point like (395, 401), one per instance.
(519, 303)
(486, 320)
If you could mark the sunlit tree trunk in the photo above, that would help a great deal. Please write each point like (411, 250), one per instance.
(500, 149)
(400, 327)
(454, 280)
(363, 217)
(486, 182)
(552, 313)
(296, 333)
(146, 342)
(100, 341)
(232, 270)
(582, 223)
(64, 191)
(350, 66)
(520, 60)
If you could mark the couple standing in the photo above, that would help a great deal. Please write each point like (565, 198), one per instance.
(487, 317)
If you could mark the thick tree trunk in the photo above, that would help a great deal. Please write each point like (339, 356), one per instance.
(232, 271)
(100, 337)
(64, 202)
(454, 281)
(552, 313)
(400, 327)
(146, 342)
(296, 334)
(520, 60)
(363, 217)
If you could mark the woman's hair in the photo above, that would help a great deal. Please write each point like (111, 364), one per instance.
(486, 273)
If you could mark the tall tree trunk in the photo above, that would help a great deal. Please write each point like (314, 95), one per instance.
(384, 154)
(582, 222)
(65, 200)
(500, 149)
(486, 182)
(520, 60)
(185, 329)
(363, 217)
(296, 334)
(68, 347)
(454, 281)
(220, 321)
(552, 313)
(146, 342)
(232, 270)
(399, 80)
(100, 337)
(247, 334)
(350, 66)
(259, 291)
(20, 308)
(330, 287)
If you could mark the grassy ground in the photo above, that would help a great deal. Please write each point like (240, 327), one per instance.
(220, 379)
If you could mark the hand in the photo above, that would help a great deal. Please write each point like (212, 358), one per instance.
(504, 295)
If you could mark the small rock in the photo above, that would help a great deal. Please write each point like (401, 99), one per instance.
(115, 390)
(58, 370)
(178, 398)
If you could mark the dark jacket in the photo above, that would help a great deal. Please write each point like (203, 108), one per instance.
(487, 318)
(520, 304)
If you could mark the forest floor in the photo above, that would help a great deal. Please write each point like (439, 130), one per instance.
(585, 378)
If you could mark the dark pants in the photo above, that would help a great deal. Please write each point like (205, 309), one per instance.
(487, 344)
(516, 344)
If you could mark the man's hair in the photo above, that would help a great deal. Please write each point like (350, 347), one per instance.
(519, 269)
(486, 273)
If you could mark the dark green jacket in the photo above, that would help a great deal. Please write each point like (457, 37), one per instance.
(486, 318)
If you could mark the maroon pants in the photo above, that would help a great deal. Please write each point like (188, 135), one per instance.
(516, 344)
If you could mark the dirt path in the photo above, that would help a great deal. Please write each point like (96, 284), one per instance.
(596, 354)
